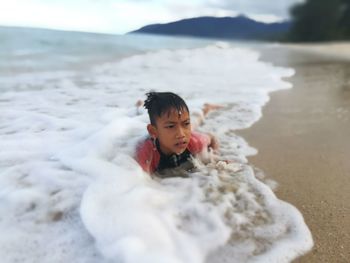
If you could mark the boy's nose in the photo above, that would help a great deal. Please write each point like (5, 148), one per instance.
(180, 133)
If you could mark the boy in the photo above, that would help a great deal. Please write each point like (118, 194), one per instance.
(172, 142)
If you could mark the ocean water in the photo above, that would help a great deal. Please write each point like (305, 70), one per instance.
(70, 190)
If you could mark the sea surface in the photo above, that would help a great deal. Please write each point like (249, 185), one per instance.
(70, 190)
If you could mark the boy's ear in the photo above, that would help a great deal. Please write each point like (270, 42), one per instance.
(152, 131)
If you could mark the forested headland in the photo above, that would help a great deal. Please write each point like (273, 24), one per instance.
(320, 20)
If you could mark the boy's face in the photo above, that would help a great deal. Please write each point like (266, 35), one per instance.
(173, 130)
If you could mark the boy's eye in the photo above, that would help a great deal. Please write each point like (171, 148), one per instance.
(186, 124)
(169, 126)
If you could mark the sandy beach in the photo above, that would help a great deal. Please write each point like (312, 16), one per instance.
(303, 143)
(338, 50)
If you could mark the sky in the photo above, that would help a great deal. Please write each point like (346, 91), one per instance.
(121, 16)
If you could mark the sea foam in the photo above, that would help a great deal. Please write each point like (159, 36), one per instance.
(71, 191)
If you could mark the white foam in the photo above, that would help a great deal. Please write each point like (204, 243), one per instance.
(67, 179)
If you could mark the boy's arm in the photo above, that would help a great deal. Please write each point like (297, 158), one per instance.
(201, 141)
(207, 107)
(205, 140)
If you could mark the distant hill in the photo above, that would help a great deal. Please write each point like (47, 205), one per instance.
(239, 27)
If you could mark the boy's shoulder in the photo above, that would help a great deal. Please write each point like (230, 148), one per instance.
(147, 155)
(198, 142)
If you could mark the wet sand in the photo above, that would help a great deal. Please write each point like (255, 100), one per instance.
(303, 141)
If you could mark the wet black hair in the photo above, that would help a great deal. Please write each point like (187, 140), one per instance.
(158, 103)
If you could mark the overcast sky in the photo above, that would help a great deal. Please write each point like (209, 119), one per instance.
(121, 16)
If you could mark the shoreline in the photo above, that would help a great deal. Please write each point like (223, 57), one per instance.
(303, 143)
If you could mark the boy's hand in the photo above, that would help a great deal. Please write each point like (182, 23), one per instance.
(214, 143)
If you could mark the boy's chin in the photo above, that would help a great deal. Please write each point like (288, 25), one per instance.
(179, 150)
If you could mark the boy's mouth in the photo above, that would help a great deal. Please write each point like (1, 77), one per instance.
(181, 144)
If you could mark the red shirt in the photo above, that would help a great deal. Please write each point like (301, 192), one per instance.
(148, 157)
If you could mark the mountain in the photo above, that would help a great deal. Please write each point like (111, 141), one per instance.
(239, 27)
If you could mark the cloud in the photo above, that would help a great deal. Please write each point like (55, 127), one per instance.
(278, 8)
